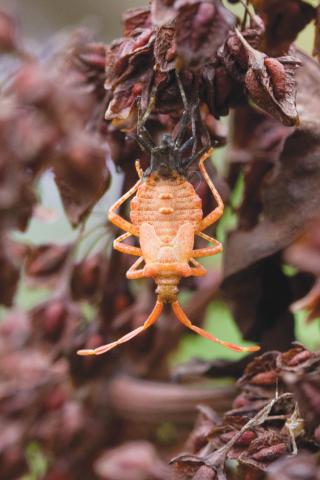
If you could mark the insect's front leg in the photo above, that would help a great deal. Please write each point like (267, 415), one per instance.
(207, 251)
(213, 216)
(119, 221)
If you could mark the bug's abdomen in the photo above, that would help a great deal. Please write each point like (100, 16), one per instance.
(166, 203)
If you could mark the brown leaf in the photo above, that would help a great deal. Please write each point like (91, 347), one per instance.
(206, 422)
(271, 84)
(10, 263)
(257, 142)
(55, 321)
(283, 19)
(85, 62)
(201, 28)
(126, 54)
(8, 33)
(44, 264)
(304, 252)
(134, 18)
(290, 198)
(122, 109)
(81, 175)
(87, 277)
(316, 46)
(262, 314)
(50, 319)
(264, 450)
(165, 50)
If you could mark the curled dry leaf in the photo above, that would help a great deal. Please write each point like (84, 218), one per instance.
(283, 20)
(56, 321)
(201, 28)
(303, 254)
(262, 314)
(265, 423)
(265, 449)
(44, 265)
(85, 63)
(316, 46)
(135, 18)
(87, 277)
(271, 84)
(11, 258)
(82, 176)
(9, 39)
(290, 196)
(165, 48)
(257, 143)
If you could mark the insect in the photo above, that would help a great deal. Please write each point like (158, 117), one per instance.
(166, 215)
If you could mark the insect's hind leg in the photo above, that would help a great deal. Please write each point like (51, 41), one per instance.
(124, 247)
(182, 317)
(154, 315)
(207, 251)
(133, 273)
(197, 270)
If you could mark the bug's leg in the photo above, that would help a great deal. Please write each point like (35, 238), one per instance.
(207, 251)
(133, 273)
(197, 270)
(143, 135)
(138, 168)
(144, 138)
(182, 317)
(154, 315)
(188, 114)
(119, 221)
(124, 247)
(187, 144)
(194, 157)
(182, 92)
(213, 216)
(181, 130)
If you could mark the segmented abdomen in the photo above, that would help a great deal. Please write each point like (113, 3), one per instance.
(166, 203)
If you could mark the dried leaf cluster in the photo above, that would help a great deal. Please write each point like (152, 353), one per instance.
(275, 414)
(72, 109)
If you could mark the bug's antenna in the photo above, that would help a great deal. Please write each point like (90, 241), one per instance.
(153, 317)
(190, 109)
(182, 317)
(143, 136)
(151, 104)
(182, 92)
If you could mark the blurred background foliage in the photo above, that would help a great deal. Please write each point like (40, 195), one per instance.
(40, 20)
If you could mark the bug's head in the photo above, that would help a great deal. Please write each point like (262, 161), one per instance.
(164, 157)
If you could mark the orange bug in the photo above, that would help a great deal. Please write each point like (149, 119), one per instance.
(166, 215)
